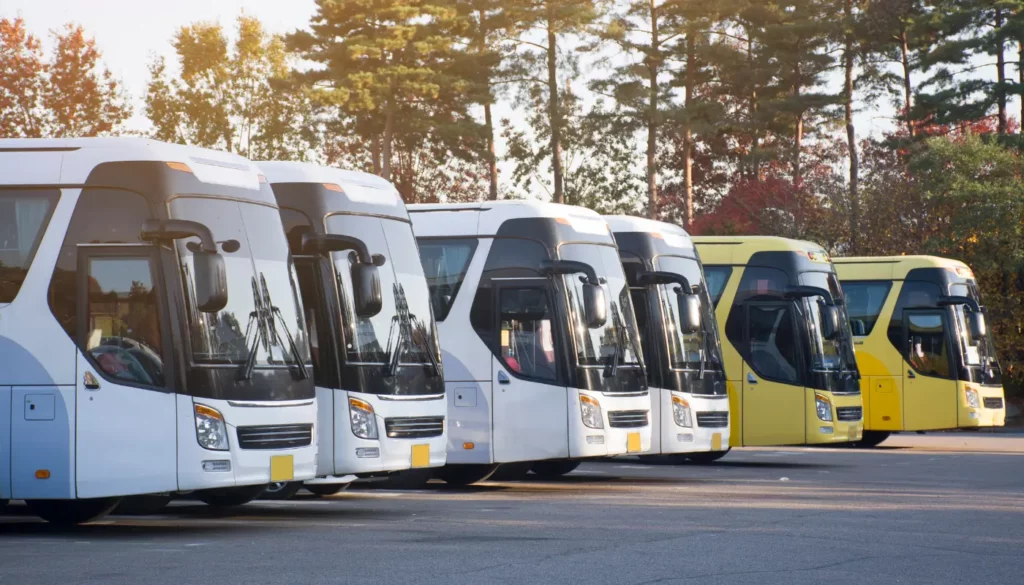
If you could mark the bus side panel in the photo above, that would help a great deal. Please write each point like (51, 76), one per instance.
(5, 442)
(469, 422)
(735, 415)
(42, 426)
(885, 413)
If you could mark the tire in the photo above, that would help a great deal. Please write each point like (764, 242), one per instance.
(407, 479)
(283, 490)
(326, 489)
(872, 439)
(512, 471)
(72, 512)
(142, 505)
(3, 504)
(464, 475)
(230, 497)
(556, 468)
(707, 456)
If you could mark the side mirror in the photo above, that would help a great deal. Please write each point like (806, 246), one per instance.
(829, 322)
(977, 326)
(689, 311)
(595, 306)
(366, 294)
(211, 281)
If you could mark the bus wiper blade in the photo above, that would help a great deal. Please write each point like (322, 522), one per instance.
(245, 372)
(301, 367)
(435, 366)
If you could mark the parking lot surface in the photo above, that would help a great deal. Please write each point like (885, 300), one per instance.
(932, 509)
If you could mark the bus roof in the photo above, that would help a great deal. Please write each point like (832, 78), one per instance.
(356, 186)
(629, 223)
(739, 249)
(69, 161)
(893, 267)
(484, 219)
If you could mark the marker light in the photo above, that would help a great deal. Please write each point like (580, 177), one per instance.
(211, 431)
(590, 409)
(681, 412)
(333, 187)
(179, 167)
(42, 474)
(262, 178)
(364, 422)
(595, 439)
(468, 446)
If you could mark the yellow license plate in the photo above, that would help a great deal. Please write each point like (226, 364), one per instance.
(421, 455)
(716, 442)
(633, 443)
(282, 467)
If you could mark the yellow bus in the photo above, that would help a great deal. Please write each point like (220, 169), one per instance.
(787, 345)
(927, 358)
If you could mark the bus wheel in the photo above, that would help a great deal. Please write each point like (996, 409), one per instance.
(71, 512)
(512, 471)
(407, 479)
(326, 489)
(230, 497)
(281, 490)
(463, 475)
(556, 468)
(873, 438)
(3, 504)
(143, 505)
(707, 456)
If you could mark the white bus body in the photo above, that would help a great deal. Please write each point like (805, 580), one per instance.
(399, 414)
(91, 311)
(527, 379)
(689, 396)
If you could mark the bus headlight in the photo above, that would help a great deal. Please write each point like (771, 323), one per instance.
(211, 431)
(824, 407)
(591, 411)
(364, 422)
(681, 412)
(972, 397)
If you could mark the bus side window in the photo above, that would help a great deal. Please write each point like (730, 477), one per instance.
(717, 277)
(864, 300)
(914, 294)
(527, 345)
(773, 342)
(24, 215)
(927, 353)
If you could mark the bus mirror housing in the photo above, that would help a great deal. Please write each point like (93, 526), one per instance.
(595, 306)
(977, 326)
(689, 311)
(829, 322)
(366, 290)
(210, 275)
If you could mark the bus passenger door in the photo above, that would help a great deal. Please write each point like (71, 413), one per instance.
(126, 436)
(773, 393)
(530, 409)
(929, 386)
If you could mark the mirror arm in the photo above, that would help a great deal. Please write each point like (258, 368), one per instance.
(550, 267)
(321, 244)
(661, 277)
(155, 230)
(799, 292)
(960, 300)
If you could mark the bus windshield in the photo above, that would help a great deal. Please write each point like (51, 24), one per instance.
(405, 324)
(692, 352)
(833, 356)
(262, 313)
(617, 339)
(979, 355)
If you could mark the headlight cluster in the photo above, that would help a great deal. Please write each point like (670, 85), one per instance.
(681, 412)
(591, 411)
(211, 431)
(972, 397)
(824, 407)
(364, 422)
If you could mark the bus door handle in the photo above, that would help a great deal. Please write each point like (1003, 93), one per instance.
(911, 374)
(751, 379)
(90, 382)
(503, 378)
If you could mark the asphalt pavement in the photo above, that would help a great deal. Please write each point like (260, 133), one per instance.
(917, 510)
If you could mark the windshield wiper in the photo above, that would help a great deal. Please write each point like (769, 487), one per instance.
(403, 321)
(266, 315)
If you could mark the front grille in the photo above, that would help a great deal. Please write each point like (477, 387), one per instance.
(713, 420)
(275, 436)
(848, 413)
(627, 418)
(996, 402)
(414, 427)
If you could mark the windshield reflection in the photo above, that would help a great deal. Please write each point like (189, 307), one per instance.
(979, 354)
(688, 352)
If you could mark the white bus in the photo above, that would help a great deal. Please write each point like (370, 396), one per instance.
(377, 363)
(543, 365)
(150, 332)
(689, 395)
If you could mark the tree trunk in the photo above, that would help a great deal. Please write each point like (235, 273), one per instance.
(389, 131)
(691, 57)
(375, 154)
(798, 135)
(554, 109)
(1000, 75)
(653, 65)
(492, 159)
(907, 89)
(1020, 80)
(851, 136)
(755, 141)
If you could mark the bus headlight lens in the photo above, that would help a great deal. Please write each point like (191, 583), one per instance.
(681, 412)
(364, 422)
(591, 410)
(824, 407)
(211, 431)
(972, 397)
